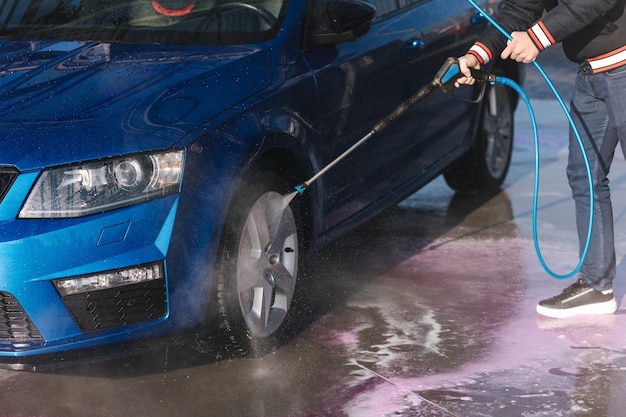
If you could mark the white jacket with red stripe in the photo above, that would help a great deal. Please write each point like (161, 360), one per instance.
(590, 30)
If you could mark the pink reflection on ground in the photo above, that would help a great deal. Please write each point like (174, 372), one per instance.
(346, 338)
(431, 338)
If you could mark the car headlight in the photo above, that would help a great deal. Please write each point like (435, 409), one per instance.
(102, 185)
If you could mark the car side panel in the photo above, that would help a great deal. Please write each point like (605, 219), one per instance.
(362, 82)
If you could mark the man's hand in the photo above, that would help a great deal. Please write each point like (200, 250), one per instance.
(520, 48)
(465, 63)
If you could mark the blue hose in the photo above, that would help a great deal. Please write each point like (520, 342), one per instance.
(510, 83)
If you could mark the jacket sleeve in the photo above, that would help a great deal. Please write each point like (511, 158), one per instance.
(567, 18)
(563, 20)
(514, 15)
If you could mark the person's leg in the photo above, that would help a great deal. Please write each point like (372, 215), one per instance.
(595, 121)
(595, 124)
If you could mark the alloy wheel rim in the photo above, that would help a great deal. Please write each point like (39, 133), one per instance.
(267, 264)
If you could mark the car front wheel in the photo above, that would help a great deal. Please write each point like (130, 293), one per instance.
(258, 260)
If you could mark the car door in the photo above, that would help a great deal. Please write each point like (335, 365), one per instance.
(363, 81)
(438, 125)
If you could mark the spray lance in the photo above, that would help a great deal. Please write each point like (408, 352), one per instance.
(444, 79)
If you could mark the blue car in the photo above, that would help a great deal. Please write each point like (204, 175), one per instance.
(150, 150)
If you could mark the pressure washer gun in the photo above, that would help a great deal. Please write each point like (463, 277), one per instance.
(450, 72)
(444, 79)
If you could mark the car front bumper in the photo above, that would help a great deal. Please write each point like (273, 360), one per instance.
(36, 319)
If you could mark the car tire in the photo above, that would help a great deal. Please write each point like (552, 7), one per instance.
(485, 166)
(257, 263)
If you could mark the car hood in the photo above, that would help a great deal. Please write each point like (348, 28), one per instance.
(62, 102)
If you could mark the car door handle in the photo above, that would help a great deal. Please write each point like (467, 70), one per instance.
(413, 48)
(479, 20)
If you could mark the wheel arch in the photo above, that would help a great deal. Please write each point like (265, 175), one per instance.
(286, 163)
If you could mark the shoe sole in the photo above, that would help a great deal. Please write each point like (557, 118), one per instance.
(607, 307)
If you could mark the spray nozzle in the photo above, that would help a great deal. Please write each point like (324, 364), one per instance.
(301, 188)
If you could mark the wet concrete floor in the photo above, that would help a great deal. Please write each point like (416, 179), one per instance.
(428, 311)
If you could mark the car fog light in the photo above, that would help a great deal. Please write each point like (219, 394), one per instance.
(110, 279)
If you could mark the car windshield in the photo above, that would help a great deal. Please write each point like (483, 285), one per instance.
(142, 21)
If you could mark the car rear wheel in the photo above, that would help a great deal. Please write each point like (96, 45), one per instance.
(258, 261)
(485, 166)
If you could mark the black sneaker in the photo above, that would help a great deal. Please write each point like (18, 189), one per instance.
(578, 298)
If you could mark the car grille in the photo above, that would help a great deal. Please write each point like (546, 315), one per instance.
(7, 176)
(120, 306)
(17, 331)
